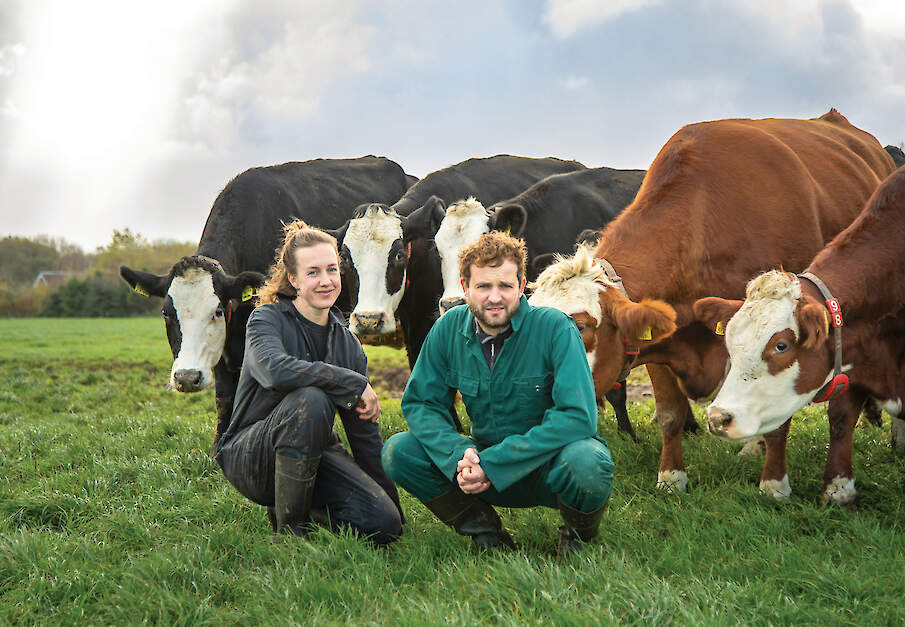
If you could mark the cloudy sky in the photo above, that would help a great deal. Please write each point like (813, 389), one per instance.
(122, 114)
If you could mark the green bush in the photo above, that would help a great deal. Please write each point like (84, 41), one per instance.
(97, 296)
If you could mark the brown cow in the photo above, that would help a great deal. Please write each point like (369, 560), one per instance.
(721, 202)
(782, 347)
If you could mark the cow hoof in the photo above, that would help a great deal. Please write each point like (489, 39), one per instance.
(897, 433)
(840, 491)
(674, 481)
(752, 447)
(779, 489)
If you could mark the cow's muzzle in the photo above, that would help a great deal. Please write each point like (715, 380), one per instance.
(367, 323)
(188, 380)
(718, 421)
(448, 303)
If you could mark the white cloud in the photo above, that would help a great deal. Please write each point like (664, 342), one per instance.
(9, 55)
(566, 17)
(575, 83)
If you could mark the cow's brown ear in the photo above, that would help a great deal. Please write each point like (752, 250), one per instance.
(813, 325)
(647, 321)
(715, 312)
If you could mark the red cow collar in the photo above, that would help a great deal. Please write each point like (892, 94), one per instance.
(839, 383)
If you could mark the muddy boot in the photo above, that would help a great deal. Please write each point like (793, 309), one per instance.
(579, 527)
(470, 516)
(293, 489)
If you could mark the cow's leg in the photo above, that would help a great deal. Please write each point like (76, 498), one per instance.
(839, 476)
(617, 398)
(672, 412)
(226, 383)
(897, 433)
(774, 480)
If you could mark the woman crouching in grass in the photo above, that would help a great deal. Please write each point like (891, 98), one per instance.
(301, 366)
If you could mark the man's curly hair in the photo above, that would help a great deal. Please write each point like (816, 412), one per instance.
(492, 249)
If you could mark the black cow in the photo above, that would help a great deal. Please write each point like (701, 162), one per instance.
(208, 297)
(390, 264)
(897, 155)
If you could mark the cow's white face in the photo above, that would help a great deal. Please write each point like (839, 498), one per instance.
(462, 225)
(573, 285)
(760, 390)
(379, 257)
(201, 326)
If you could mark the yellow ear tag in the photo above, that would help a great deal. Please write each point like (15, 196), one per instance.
(826, 322)
(720, 328)
(140, 290)
(509, 230)
(646, 334)
(247, 293)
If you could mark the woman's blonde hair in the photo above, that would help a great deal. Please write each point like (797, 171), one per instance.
(296, 234)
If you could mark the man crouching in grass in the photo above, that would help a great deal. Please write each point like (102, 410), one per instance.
(527, 388)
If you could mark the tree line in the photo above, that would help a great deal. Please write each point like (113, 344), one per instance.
(48, 276)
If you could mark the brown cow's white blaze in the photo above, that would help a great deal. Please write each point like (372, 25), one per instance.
(369, 240)
(754, 401)
(465, 221)
(202, 326)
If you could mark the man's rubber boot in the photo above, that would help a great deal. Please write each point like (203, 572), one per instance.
(293, 490)
(470, 516)
(579, 527)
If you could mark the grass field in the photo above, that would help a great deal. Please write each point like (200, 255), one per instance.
(112, 512)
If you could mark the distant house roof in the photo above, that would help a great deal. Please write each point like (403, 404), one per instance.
(50, 278)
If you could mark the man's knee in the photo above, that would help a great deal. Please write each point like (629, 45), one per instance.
(582, 474)
(398, 453)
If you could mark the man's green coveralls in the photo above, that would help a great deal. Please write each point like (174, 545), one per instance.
(534, 416)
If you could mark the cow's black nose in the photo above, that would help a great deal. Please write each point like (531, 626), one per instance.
(187, 380)
(448, 303)
(366, 323)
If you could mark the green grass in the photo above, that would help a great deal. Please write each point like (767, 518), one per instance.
(112, 512)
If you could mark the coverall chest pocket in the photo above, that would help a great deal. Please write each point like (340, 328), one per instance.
(467, 386)
(534, 395)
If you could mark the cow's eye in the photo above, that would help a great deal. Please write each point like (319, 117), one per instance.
(781, 347)
(165, 315)
(581, 326)
(217, 314)
(400, 255)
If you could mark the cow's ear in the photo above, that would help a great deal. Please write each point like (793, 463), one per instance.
(540, 262)
(145, 283)
(424, 221)
(242, 286)
(339, 233)
(813, 325)
(511, 218)
(647, 321)
(715, 312)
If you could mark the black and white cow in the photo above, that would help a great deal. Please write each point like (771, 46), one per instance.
(548, 216)
(390, 264)
(208, 296)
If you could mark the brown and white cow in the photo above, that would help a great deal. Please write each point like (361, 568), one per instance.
(722, 201)
(782, 346)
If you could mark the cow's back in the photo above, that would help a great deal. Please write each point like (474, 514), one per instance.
(489, 179)
(243, 227)
(560, 206)
(728, 199)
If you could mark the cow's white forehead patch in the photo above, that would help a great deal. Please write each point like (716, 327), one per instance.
(572, 285)
(465, 221)
(203, 334)
(377, 227)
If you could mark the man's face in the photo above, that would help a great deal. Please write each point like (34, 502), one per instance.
(493, 294)
(317, 279)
